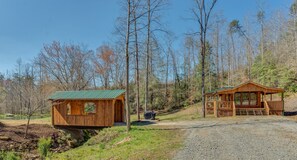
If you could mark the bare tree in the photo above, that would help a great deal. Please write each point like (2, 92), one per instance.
(127, 96)
(260, 18)
(69, 66)
(202, 14)
(147, 53)
(135, 5)
(103, 63)
(153, 7)
(293, 12)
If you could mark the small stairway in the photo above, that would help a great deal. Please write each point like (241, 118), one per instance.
(250, 111)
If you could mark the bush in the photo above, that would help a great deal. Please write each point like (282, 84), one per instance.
(9, 156)
(44, 146)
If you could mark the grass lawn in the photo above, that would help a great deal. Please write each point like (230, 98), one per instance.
(16, 122)
(189, 113)
(139, 143)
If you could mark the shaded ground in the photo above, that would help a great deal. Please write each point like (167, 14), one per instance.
(269, 137)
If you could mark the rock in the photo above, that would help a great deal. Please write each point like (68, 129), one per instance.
(4, 138)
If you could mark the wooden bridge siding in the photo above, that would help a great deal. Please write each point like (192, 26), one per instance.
(108, 112)
(103, 116)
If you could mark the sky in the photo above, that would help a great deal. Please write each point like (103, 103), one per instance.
(26, 25)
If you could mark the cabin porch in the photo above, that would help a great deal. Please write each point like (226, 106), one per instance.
(247, 99)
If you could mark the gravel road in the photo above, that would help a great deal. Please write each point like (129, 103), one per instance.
(269, 137)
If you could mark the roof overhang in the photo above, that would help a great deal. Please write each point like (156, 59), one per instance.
(249, 87)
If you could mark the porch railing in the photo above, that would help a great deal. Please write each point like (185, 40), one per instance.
(266, 107)
(228, 108)
(275, 107)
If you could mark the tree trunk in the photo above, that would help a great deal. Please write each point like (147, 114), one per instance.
(27, 125)
(166, 78)
(262, 43)
(217, 55)
(222, 67)
(233, 56)
(127, 69)
(137, 67)
(147, 55)
(295, 36)
(203, 72)
(203, 84)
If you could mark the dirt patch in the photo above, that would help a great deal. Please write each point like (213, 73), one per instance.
(12, 139)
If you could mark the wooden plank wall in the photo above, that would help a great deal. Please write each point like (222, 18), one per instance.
(103, 117)
(118, 111)
(275, 107)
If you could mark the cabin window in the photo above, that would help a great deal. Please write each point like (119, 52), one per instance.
(245, 99)
(237, 99)
(89, 107)
(68, 109)
(253, 100)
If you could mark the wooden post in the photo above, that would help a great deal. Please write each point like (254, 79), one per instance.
(113, 108)
(266, 104)
(206, 100)
(270, 97)
(52, 112)
(240, 98)
(234, 109)
(283, 112)
(215, 109)
(124, 109)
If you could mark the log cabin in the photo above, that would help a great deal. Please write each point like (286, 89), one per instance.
(249, 98)
(89, 108)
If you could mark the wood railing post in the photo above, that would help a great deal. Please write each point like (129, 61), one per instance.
(267, 109)
(234, 109)
(215, 109)
(283, 103)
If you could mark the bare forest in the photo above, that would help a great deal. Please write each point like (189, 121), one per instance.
(157, 73)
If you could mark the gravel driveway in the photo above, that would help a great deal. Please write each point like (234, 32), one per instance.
(269, 137)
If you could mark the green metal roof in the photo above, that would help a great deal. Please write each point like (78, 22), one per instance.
(86, 94)
(220, 89)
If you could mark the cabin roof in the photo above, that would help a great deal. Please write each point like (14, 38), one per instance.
(229, 89)
(86, 94)
(221, 89)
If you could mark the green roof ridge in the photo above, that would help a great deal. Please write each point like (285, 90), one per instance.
(86, 94)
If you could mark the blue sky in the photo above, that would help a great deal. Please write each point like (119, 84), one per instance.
(25, 25)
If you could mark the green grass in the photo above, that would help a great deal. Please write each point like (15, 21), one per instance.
(139, 143)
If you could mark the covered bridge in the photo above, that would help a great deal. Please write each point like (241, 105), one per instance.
(90, 108)
(249, 98)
